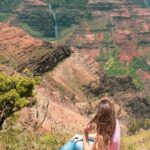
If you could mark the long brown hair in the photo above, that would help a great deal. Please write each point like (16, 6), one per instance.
(105, 122)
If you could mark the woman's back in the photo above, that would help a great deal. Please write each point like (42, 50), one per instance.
(115, 143)
(107, 128)
(77, 144)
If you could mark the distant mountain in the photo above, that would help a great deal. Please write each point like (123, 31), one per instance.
(118, 29)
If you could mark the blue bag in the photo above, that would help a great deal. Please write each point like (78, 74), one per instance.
(69, 146)
(75, 145)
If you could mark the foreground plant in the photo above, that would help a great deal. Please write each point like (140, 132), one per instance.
(15, 92)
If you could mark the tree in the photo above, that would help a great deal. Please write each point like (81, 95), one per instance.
(15, 91)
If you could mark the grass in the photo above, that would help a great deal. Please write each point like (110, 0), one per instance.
(139, 141)
(107, 37)
(140, 63)
(66, 34)
(28, 29)
(23, 140)
(98, 24)
(3, 60)
(114, 68)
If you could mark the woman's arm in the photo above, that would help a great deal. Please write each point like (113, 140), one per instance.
(86, 145)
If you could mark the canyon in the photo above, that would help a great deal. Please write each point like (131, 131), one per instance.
(102, 48)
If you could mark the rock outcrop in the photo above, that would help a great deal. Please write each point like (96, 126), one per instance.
(46, 62)
(20, 51)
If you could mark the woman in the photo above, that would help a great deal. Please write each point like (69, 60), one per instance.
(107, 128)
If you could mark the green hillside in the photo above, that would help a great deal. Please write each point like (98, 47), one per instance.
(7, 8)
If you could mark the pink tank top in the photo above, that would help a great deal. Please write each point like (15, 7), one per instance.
(115, 144)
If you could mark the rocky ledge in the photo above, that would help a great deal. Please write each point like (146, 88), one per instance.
(46, 62)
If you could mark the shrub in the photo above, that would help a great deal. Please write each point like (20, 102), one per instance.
(147, 123)
(114, 67)
(138, 63)
(14, 93)
(134, 126)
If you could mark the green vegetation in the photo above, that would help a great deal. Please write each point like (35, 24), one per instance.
(23, 140)
(147, 123)
(40, 22)
(7, 8)
(68, 3)
(105, 56)
(66, 34)
(14, 93)
(135, 78)
(138, 141)
(143, 3)
(134, 126)
(9, 5)
(4, 16)
(107, 37)
(140, 63)
(2, 59)
(114, 67)
(103, 24)
(111, 63)
(143, 43)
(30, 30)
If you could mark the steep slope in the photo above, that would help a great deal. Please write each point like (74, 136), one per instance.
(114, 33)
(21, 51)
(51, 114)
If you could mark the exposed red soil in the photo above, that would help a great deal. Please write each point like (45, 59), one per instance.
(120, 13)
(90, 37)
(122, 35)
(36, 2)
(141, 11)
(124, 57)
(100, 36)
(142, 26)
(129, 52)
(14, 39)
(129, 47)
(91, 1)
(93, 53)
(57, 117)
(144, 75)
(17, 47)
(80, 69)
